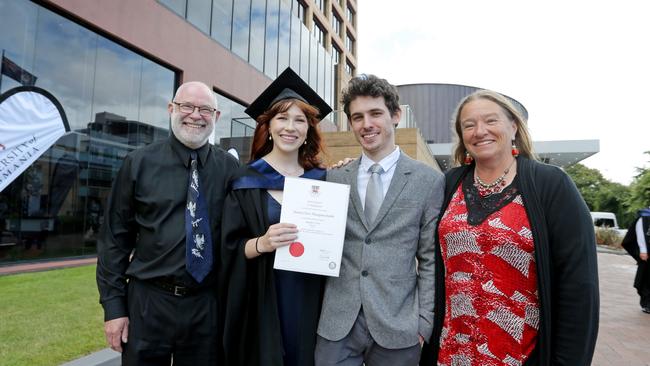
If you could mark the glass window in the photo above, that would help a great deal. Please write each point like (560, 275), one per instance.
(156, 86)
(321, 5)
(258, 21)
(321, 71)
(304, 52)
(349, 68)
(350, 14)
(198, 13)
(241, 28)
(230, 110)
(328, 80)
(300, 10)
(336, 55)
(271, 47)
(295, 8)
(313, 63)
(116, 92)
(222, 21)
(336, 24)
(294, 60)
(53, 50)
(240, 128)
(319, 33)
(177, 6)
(284, 45)
(17, 37)
(349, 43)
(114, 99)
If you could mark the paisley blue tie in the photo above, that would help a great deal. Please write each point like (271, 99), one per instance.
(198, 241)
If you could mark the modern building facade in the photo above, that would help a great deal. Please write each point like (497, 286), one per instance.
(114, 66)
(432, 106)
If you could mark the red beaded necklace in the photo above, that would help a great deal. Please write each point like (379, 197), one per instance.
(486, 189)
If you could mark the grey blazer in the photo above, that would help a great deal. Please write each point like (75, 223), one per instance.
(379, 271)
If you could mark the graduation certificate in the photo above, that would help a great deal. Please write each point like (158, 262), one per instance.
(320, 210)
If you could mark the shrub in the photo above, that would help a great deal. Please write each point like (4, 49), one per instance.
(608, 236)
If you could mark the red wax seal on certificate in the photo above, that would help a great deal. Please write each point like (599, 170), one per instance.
(296, 249)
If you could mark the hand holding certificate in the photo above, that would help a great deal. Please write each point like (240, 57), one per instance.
(320, 210)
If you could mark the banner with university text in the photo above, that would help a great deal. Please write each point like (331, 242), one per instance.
(31, 120)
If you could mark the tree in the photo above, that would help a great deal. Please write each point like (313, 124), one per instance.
(590, 183)
(613, 197)
(639, 191)
(599, 193)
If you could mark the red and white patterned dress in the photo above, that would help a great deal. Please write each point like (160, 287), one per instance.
(492, 308)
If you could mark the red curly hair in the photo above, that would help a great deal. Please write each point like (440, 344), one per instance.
(308, 154)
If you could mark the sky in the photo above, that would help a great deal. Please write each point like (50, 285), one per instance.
(581, 68)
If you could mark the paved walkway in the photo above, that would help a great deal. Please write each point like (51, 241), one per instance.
(623, 338)
(624, 333)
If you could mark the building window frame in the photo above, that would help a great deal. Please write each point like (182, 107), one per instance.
(350, 14)
(349, 69)
(349, 43)
(336, 23)
(300, 10)
(336, 55)
(320, 34)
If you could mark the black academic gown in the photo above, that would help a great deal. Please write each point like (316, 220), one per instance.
(642, 278)
(249, 306)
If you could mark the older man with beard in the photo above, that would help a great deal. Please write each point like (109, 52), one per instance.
(155, 265)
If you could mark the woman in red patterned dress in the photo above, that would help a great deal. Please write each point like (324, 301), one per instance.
(516, 280)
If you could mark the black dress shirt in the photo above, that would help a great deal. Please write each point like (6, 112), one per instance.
(145, 216)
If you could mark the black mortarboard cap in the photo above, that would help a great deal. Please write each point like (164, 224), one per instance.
(287, 85)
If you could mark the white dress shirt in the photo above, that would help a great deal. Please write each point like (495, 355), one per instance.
(363, 176)
(640, 236)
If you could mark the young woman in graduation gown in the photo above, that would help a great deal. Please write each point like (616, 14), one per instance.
(270, 316)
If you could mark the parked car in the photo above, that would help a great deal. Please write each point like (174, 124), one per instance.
(607, 220)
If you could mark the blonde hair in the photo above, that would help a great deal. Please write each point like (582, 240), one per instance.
(522, 137)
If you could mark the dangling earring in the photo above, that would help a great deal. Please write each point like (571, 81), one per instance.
(468, 158)
(270, 138)
(515, 151)
(305, 143)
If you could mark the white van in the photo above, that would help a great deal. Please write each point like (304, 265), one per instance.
(607, 219)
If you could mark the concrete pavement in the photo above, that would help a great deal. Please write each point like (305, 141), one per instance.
(105, 357)
(624, 332)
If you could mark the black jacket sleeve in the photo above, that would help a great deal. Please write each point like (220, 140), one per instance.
(574, 295)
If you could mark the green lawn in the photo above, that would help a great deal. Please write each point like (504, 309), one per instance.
(51, 317)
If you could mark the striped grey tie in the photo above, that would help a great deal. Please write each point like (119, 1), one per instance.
(374, 193)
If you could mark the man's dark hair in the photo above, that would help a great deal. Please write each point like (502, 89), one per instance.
(371, 86)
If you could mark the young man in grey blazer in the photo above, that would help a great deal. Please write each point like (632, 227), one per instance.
(380, 308)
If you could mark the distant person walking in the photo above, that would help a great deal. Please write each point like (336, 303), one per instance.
(636, 243)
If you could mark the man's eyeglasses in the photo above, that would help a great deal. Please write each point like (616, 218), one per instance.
(189, 109)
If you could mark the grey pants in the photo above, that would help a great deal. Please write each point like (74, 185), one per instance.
(358, 348)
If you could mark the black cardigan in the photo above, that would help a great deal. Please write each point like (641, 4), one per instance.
(565, 255)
